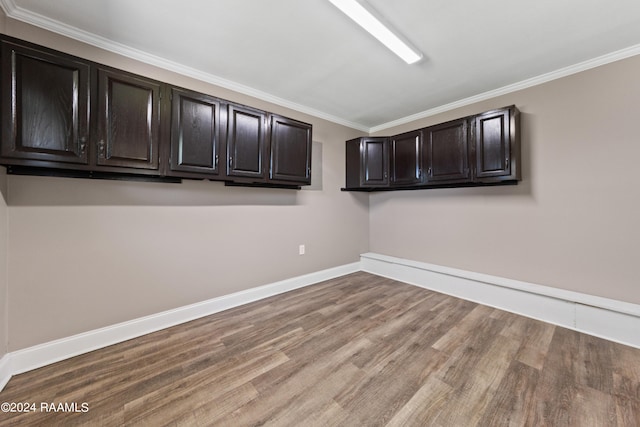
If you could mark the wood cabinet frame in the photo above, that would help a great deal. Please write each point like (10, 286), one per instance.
(482, 149)
(58, 127)
(109, 123)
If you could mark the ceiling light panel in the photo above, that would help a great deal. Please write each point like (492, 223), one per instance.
(357, 12)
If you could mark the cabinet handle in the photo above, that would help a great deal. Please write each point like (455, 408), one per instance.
(83, 144)
(429, 171)
(506, 161)
(101, 147)
(230, 162)
(216, 162)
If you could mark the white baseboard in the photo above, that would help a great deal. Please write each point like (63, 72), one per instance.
(5, 370)
(613, 320)
(609, 319)
(40, 355)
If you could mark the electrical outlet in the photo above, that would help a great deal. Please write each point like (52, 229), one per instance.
(301, 250)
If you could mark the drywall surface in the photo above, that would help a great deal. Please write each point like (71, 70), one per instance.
(85, 254)
(572, 223)
(4, 286)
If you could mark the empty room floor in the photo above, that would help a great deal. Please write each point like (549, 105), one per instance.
(359, 350)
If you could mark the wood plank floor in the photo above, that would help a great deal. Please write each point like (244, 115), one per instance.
(359, 350)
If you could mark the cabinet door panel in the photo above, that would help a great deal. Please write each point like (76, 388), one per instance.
(375, 161)
(447, 152)
(290, 150)
(194, 132)
(492, 140)
(45, 111)
(246, 142)
(128, 120)
(405, 158)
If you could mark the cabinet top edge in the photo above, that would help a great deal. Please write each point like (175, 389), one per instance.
(511, 107)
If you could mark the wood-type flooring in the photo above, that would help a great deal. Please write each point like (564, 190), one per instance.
(359, 350)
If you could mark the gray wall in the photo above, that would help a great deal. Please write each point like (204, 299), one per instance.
(86, 254)
(4, 287)
(572, 223)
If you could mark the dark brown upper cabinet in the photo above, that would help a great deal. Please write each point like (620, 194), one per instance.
(447, 152)
(246, 142)
(353, 163)
(290, 149)
(372, 162)
(63, 115)
(128, 118)
(367, 162)
(495, 153)
(375, 161)
(195, 134)
(477, 150)
(381, 162)
(406, 159)
(45, 107)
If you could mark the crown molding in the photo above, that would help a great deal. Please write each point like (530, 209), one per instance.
(15, 12)
(524, 84)
(8, 6)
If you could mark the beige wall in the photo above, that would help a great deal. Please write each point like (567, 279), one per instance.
(572, 222)
(4, 287)
(86, 253)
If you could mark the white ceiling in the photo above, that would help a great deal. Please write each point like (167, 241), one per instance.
(305, 54)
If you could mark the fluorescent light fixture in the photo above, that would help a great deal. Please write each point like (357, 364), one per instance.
(354, 10)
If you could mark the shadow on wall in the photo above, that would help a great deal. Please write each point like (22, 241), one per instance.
(3, 184)
(53, 191)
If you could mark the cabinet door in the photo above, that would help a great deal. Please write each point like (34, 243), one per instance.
(492, 144)
(246, 142)
(195, 132)
(375, 162)
(128, 120)
(45, 105)
(290, 150)
(406, 158)
(447, 149)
